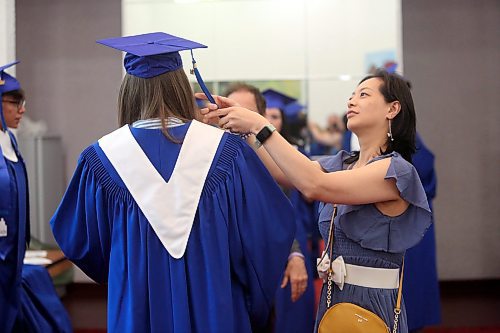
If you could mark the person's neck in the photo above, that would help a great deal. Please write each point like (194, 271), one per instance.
(369, 148)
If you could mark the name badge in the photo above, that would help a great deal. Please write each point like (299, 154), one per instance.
(3, 228)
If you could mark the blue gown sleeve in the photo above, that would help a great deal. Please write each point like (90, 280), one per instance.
(80, 224)
(261, 228)
(366, 225)
(423, 160)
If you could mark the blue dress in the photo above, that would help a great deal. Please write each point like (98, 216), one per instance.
(14, 211)
(366, 237)
(420, 285)
(237, 249)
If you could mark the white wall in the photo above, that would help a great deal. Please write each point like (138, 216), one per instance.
(312, 40)
(7, 33)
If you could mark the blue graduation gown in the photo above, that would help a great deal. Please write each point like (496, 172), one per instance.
(238, 246)
(41, 308)
(420, 285)
(15, 212)
(346, 140)
(299, 316)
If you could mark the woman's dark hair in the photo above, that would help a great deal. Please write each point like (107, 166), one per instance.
(395, 88)
(163, 96)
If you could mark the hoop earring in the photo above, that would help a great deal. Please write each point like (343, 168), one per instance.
(389, 134)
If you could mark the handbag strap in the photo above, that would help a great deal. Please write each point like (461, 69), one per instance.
(397, 308)
(329, 248)
(331, 237)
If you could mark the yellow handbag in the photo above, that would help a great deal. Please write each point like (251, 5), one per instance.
(348, 317)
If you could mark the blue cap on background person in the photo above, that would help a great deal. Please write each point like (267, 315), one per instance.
(7, 83)
(275, 99)
(391, 67)
(152, 54)
(293, 111)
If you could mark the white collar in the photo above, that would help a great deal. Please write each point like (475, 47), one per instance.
(7, 148)
(169, 207)
(155, 123)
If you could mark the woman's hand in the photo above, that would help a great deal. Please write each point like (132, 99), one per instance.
(231, 116)
(222, 101)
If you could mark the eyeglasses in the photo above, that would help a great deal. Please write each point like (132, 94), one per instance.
(19, 104)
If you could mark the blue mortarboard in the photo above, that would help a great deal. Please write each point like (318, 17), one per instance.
(292, 110)
(391, 66)
(275, 99)
(153, 54)
(7, 83)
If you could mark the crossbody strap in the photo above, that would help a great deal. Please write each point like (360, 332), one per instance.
(329, 248)
(397, 308)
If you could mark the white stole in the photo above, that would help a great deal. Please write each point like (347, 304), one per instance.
(169, 207)
(7, 148)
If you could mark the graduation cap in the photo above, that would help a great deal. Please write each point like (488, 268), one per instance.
(293, 110)
(391, 66)
(152, 54)
(7, 83)
(275, 99)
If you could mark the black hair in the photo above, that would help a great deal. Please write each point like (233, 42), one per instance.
(17, 94)
(395, 88)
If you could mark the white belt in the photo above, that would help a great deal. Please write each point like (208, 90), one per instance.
(369, 277)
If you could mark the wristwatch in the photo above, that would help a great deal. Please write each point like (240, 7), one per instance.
(263, 135)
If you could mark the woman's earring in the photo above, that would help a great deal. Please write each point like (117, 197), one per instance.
(389, 134)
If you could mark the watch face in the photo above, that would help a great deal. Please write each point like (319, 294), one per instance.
(265, 133)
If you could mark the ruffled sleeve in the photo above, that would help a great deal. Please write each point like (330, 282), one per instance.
(334, 162)
(366, 225)
(330, 163)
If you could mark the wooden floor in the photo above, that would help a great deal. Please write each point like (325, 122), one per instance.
(467, 307)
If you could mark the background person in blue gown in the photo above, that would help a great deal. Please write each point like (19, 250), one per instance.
(293, 314)
(421, 286)
(180, 219)
(28, 301)
(294, 301)
(14, 209)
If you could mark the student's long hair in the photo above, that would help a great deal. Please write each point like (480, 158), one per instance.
(395, 88)
(162, 96)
